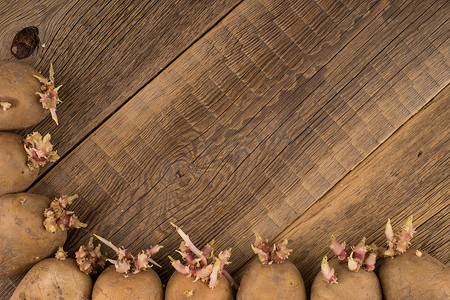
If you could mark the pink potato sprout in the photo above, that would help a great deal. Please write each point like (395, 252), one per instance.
(39, 150)
(127, 263)
(361, 255)
(90, 260)
(49, 96)
(268, 255)
(202, 264)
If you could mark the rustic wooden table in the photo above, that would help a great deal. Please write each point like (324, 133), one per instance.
(296, 119)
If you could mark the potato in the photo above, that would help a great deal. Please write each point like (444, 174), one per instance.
(54, 279)
(183, 287)
(113, 285)
(23, 238)
(19, 88)
(17, 172)
(15, 175)
(409, 276)
(351, 285)
(274, 281)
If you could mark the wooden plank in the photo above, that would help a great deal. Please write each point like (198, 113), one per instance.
(232, 136)
(103, 51)
(7, 286)
(407, 175)
(234, 147)
(255, 122)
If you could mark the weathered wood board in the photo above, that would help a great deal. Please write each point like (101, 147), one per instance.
(253, 124)
(407, 175)
(103, 52)
(232, 138)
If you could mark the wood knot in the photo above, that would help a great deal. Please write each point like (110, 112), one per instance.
(183, 180)
(25, 42)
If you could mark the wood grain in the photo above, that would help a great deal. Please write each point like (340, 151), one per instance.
(407, 175)
(254, 145)
(232, 139)
(255, 122)
(103, 52)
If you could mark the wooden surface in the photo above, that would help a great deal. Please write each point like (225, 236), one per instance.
(407, 175)
(103, 52)
(255, 126)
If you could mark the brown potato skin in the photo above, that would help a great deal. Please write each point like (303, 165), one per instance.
(15, 176)
(19, 88)
(178, 284)
(408, 276)
(54, 279)
(351, 286)
(276, 281)
(112, 285)
(24, 241)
